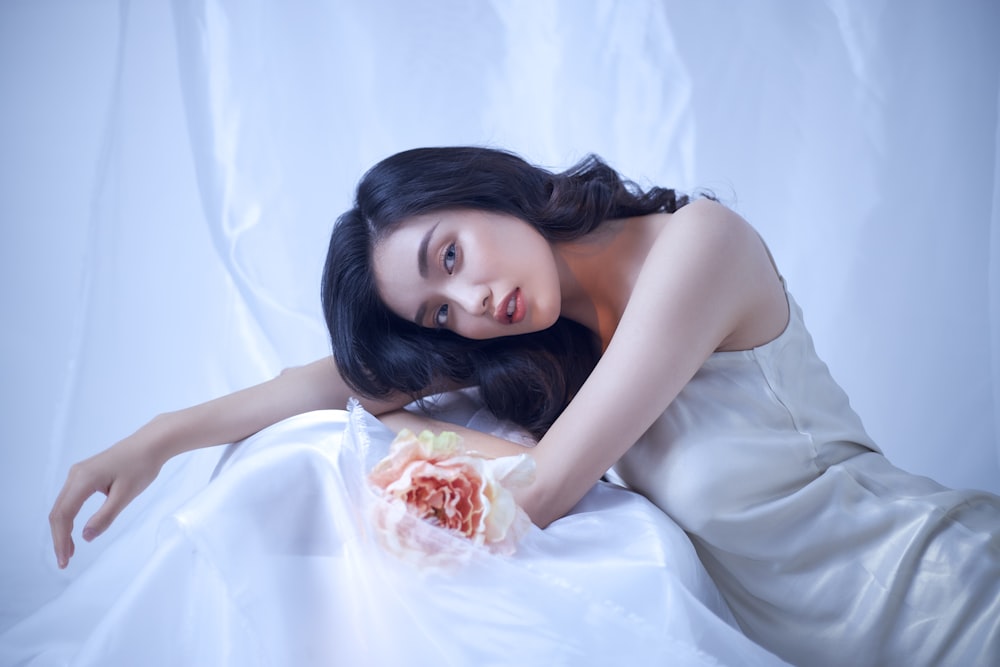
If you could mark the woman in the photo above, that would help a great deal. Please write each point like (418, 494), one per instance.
(636, 330)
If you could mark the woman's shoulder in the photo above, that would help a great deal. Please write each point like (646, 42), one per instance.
(709, 215)
(719, 246)
(715, 232)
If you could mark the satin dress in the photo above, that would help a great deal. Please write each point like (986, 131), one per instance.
(826, 553)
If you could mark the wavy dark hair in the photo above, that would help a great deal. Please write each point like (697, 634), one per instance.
(528, 379)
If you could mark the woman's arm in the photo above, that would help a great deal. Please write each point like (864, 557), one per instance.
(707, 284)
(125, 469)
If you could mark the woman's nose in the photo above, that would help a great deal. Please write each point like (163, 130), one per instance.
(474, 299)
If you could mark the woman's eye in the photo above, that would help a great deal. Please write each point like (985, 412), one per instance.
(441, 316)
(449, 258)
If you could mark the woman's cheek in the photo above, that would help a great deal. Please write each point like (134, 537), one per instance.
(474, 329)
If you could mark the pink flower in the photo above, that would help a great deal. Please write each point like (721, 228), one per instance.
(432, 478)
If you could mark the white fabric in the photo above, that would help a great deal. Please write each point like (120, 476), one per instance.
(826, 552)
(170, 172)
(275, 563)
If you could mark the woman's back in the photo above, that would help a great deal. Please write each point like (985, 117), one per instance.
(824, 551)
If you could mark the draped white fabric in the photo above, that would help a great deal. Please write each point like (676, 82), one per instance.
(171, 172)
(276, 563)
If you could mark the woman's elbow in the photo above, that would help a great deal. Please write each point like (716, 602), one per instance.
(540, 506)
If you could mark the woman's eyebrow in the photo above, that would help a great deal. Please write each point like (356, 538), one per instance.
(422, 251)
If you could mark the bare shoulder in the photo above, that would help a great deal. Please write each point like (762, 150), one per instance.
(709, 220)
(711, 244)
(706, 236)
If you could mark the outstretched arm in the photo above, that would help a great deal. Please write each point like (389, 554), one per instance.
(124, 470)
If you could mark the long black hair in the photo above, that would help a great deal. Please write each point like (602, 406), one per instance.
(528, 378)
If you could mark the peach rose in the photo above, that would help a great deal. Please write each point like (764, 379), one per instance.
(433, 479)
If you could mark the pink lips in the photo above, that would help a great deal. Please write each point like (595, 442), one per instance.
(500, 315)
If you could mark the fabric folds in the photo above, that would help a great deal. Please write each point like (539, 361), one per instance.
(275, 563)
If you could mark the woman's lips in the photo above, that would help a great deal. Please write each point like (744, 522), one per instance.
(510, 310)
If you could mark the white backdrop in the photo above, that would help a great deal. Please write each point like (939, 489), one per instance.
(170, 173)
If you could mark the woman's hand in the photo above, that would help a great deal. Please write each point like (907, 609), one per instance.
(120, 472)
(124, 470)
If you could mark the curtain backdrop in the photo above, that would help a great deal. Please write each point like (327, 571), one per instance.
(170, 173)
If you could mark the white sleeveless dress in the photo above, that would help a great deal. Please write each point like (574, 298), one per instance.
(826, 553)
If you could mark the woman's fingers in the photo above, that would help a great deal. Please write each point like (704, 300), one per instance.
(119, 473)
(106, 514)
(62, 541)
(84, 480)
(75, 491)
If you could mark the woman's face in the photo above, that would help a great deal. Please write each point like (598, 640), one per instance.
(479, 274)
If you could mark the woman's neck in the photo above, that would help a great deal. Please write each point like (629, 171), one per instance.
(597, 272)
